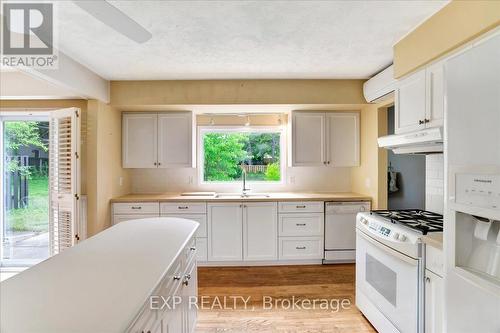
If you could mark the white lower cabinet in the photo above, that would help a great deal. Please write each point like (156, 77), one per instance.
(179, 288)
(225, 232)
(260, 231)
(243, 231)
(434, 295)
(239, 232)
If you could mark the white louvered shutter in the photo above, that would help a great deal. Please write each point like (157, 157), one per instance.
(64, 178)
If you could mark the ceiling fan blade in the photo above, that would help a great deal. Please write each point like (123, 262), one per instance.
(115, 18)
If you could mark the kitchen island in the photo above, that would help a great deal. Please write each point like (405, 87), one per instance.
(104, 284)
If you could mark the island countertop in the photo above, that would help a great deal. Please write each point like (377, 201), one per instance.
(99, 285)
(273, 196)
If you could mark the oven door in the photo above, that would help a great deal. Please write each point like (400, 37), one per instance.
(389, 279)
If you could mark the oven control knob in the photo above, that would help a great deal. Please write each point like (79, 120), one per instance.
(364, 221)
(402, 237)
(395, 235)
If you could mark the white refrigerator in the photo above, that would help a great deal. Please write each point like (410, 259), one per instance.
(472, 212)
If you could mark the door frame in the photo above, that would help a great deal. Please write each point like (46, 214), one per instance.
(13, 116)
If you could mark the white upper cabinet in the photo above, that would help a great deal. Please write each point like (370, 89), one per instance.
(343, 139)
(434, 114)
(410, 104)
(157, 140)
(174, 139)
(419, 101)
(308, 139)
(139, 141)
(325, 138)
(260, 231)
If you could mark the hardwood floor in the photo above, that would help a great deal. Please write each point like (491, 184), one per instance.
(267, 294)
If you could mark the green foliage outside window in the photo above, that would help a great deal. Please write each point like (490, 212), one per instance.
(225, 152)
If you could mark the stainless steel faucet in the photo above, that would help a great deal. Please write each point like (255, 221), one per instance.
(244, 178)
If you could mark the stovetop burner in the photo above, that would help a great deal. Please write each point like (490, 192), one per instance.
(417, 219)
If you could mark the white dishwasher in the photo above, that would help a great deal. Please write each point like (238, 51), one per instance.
(340, 230)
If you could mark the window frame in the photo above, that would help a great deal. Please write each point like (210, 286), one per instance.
(239, 129)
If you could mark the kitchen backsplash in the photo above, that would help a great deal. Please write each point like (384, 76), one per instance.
(434, 183)
(319, 179)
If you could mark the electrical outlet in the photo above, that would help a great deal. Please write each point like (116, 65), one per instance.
(120, 181)
(368, 183)
(190, 179)
(292, 179)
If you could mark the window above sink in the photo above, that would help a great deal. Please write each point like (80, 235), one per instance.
(225, 152)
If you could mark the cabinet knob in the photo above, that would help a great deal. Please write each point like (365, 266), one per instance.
(154, 163)
(420, 122)
(177, 278)
(192, 248)
(427, 279)
(328, 162)
(427, 120)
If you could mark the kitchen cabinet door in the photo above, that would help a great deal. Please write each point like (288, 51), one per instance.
(175, 139)
(434, 115)
(189, 296)
(260, 231)
(308, 139)
(225, 239)
(410, 103)
(434, 294)
(343, 139)
(139, 141)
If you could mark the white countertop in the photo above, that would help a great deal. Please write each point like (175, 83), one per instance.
(99, 285)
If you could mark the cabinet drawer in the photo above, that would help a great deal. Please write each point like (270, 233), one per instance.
(122, 218)
(300, 248)
(201, 249)
(136, 208)
(200, 218)
(434, 260)
(183, 207)
(301, 224)
(301, 206)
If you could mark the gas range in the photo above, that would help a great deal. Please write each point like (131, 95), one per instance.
(416, 219)
(390, 263)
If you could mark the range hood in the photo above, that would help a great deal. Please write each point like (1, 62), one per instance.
(427, 141)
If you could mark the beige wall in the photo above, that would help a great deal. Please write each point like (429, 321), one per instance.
(138, 94)
(104, 164)
(370, 178)
(457, 23)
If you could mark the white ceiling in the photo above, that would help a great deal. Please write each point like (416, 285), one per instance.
(243, 39)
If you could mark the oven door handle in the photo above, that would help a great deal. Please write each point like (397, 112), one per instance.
(388, 250)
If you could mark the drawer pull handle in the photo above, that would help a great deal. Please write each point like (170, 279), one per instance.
(300, 224)
(192, 248)
(427, 279)
(136, 207)
(177, 278)
(301, 206)
(187, 277)
(300, 247)
(182, 207)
